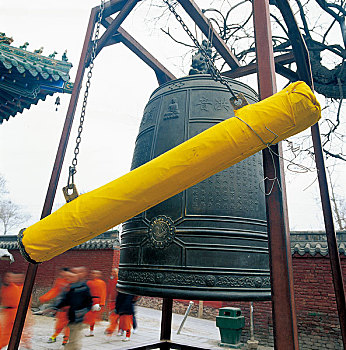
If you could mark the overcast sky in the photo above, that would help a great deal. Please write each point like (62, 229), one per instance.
(120, 88)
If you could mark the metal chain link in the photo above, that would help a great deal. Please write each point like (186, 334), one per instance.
(72, 168)
(214, 71)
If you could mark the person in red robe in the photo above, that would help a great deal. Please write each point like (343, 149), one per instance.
(61, 284)
(111, 297)
(98, 291)
(112, 290)
(10, 295)
(123, 315)
(25, 340)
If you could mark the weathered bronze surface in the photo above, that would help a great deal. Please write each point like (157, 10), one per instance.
(210, 241)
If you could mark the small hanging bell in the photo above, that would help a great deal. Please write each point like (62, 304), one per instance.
(57, 102)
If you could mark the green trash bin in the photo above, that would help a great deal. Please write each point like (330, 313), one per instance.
(230, 323)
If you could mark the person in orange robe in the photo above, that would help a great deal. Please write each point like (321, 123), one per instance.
(111, 297)
(25, 340)
(61, 284)
(10, 296)
(98, 291)
(123, 315)
(112, 290)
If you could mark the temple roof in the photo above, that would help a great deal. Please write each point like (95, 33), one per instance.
(313, 243)
(27, 77)
(106, 240)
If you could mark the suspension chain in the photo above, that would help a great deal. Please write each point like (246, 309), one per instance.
(214, 71)
(72, 169)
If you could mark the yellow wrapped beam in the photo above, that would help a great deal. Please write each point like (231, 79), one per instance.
(284, 114)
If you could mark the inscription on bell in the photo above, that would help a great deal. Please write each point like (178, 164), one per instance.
(204, 103)
(148, 117)
(223, 192)
(142, 149)
(218, 104)
(221, 104)
(176, 85)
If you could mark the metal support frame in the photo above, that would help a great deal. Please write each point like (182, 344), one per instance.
(166, 323)
(280, 257)
(54, 180)
(301, 54)
(284, 319)
(252, 68)
(162, 73)
(113, 27)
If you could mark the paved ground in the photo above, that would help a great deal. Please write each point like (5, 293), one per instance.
(196, 332)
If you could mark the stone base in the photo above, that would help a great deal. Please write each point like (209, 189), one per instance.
(252, 344)
(232, 346)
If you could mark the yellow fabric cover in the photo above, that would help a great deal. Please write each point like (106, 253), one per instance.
(286, 113)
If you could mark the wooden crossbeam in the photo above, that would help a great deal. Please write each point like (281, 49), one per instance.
(162, 73)
(112, 7)
(252, 68)
(114, 26)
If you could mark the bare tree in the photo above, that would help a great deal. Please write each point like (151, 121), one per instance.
(339, 209)
(323, 26)
(11, 214)
(3, 189)
(338, 203)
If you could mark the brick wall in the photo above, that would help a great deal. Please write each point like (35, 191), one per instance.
(317, 318)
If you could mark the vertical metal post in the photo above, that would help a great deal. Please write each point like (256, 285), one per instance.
(330, 232)
(283, 306)
(48, 204)
(301, 54)
(166, 319)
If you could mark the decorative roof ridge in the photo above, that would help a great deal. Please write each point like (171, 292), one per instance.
(28, 77)
(37, 57)
(93, 244)
(316, 232)
(314, 248)
(34, 63)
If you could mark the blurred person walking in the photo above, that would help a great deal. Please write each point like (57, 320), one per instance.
(25, 340)
(112, 294)
(10, 295)
(61, 284)
(79, 301)
(123, 315)
(112, 290)
(98, 290)
(81, 271)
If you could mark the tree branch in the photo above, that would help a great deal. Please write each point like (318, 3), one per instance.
(337, 156)
(175, 40)
(303, 18)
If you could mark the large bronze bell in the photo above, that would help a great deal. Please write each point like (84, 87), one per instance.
(210, 241)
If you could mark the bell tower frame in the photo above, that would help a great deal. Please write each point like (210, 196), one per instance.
(283, 306)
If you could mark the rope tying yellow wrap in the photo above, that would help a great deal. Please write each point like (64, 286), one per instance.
(284, 114)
